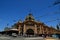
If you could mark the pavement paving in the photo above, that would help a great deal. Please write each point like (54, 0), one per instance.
(26, 38)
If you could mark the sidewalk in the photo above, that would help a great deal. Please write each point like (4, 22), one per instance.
(50, 38)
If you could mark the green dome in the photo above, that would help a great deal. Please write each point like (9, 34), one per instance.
(20, 21)
(29, 17)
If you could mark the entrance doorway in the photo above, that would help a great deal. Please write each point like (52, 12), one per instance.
(30, 32)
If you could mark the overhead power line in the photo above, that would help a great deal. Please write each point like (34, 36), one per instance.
(48, 14)
(53, 20)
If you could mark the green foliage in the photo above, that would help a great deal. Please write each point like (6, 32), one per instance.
(6, 28)
(57, 27)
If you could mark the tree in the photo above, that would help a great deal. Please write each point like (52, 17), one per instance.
(14, 26)
(6, 28)
(57, 27)
(56, 2)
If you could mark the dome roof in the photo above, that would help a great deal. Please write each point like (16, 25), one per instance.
(20, 21)
(29, 17)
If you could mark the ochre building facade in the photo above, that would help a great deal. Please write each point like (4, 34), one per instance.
(32, 27)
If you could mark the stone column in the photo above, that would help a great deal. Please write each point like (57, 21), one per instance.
(43, 29)
(35, 30)
(19, 29)
(47, 30)
(40, 29)
(24, 30)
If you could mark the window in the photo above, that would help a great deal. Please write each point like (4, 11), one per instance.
(38, 28)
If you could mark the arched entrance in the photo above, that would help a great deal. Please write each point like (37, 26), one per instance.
(30, 32)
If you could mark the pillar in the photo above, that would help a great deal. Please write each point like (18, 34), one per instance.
(19, 29)
(24, 30)
(40, 29)
(35, 30)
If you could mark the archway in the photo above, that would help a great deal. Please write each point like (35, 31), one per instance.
(30, 32)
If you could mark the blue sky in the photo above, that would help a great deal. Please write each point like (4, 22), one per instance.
(11, 10)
